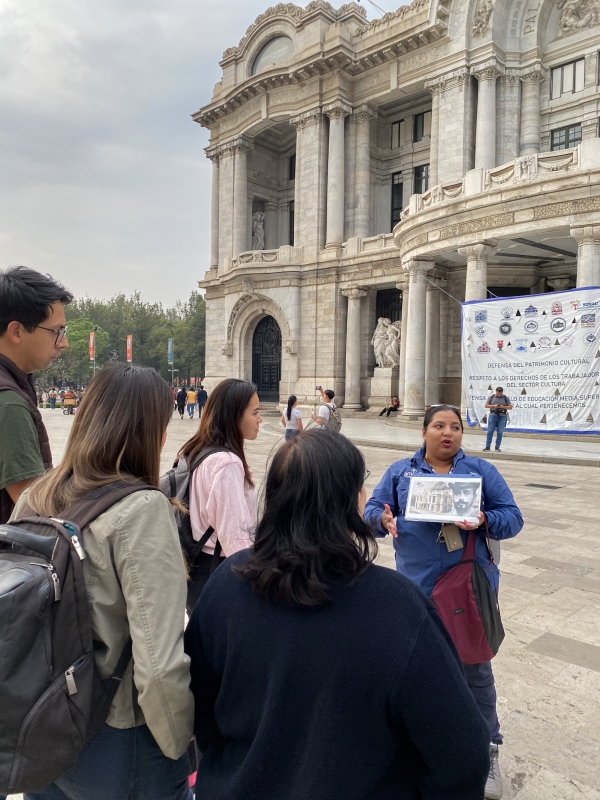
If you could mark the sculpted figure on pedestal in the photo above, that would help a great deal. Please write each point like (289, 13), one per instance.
(258, 231)
(386, 343)
(392, 350)
(578, 14)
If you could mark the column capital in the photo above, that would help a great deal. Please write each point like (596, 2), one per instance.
(402, 286)
(242, 144)
(533, 75)
(213, 152)
(307, 118)
(561, 283)
(417, 266)
(587, 234)
(271, 205)
(511, 76)
(355, 294)
(480, 251)
(338, 109)
(458, 77)
(362, 114)
(489, 71)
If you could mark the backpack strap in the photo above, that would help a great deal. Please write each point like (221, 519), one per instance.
(95, 503)
(203, 454)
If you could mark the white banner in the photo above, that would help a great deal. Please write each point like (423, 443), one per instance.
(544, 351)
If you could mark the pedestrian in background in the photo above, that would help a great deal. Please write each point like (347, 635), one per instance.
(181, 398)
(201, 397)
(421, 554)
(324, 415)
(52, 397)
(392, 408)
(222, 493)
(191, 402)
(499, 405)
(291, 419)
(133, 553)
(317, 674)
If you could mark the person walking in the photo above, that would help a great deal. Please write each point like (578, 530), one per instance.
(32, 336)
(291, 419)
(308, 681)
(191, 402)
(222, 493)
(499, 405)
(324, 416)
(422, 557)
(132, 554)
(52, 396)
(201, 398)
(181, 398)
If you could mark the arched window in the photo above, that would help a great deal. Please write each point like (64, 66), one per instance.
(277, 51)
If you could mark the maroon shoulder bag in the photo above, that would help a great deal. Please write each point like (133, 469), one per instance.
(468, 607)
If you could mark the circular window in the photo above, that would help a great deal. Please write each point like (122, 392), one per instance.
(274, 52)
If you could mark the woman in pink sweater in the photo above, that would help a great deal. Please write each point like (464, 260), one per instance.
(222, 493)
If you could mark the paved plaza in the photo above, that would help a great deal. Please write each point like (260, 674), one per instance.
(548, 669)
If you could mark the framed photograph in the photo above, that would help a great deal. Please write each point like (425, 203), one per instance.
(443, 498)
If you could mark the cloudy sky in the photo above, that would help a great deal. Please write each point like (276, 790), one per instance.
(103, 178)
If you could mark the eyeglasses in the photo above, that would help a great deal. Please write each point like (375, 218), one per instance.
(60, 333)
(444, 405)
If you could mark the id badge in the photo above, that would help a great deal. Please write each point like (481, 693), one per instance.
(452, 537)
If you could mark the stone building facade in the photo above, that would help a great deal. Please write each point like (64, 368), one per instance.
(385, 171)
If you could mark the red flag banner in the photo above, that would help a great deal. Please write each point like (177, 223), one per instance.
(92, 345)
(130, 348)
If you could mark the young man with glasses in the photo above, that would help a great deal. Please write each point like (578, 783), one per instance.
(32, 336)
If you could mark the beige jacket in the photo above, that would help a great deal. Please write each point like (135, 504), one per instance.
(136, 582)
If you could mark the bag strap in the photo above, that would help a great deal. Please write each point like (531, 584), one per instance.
(469, 551)
(208, 451)
(96, 502)
(205, 453)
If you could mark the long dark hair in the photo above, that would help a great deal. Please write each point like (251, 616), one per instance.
(310, 530)
(116, 435)
(291, 400)
(433, 410)
(220, 423)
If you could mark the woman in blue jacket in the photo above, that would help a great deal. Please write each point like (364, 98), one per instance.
(422, 557)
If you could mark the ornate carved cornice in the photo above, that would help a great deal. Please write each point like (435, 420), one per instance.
(458, 77)
(489, 71)
(417, 266)
(307, 118)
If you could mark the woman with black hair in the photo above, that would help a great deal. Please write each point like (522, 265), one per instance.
(423, 556)
(308, 683)
(291, 419)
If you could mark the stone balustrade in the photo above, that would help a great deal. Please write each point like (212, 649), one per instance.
(285, 254)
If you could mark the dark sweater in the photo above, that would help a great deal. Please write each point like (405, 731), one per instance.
(361, 699)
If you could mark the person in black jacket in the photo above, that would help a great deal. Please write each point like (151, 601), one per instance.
(317, 674)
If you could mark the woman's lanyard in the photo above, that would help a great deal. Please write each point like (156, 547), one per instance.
(430, 465)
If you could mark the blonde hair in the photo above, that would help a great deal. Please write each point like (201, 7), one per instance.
(116, 436)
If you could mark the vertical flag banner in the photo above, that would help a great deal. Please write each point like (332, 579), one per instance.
(544, 351)
(130, 348)
(170, 352)
(92, 345)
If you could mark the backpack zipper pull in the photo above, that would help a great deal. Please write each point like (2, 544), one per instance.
(71, 687)
(55, 579)
(75, 540)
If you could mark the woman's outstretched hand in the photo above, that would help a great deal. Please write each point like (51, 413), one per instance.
(470, 526)
(387, 521)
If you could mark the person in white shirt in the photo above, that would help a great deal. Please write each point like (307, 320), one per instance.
(328, 406)
(291, 419)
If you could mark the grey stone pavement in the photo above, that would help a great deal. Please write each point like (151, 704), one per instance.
(548, 669)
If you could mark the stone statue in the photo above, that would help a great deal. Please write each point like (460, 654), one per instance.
(392, 350)
(481, 18)
(577, 15)
(258, 231)
(386, 343)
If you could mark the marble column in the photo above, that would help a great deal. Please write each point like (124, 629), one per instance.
(432, 345)
(507, 120)
(353, 342)
(240, 197)
(337, 114)
(271, 225)
(435, 134)
(214, 209)
(361, 120)
(414, 381)
(477, 258)
(588, 255)
(403, 287)
(485, 135)
(530, 113)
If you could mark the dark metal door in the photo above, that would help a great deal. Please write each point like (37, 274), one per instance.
(266, 359)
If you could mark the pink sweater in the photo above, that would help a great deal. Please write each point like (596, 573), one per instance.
(220, 497)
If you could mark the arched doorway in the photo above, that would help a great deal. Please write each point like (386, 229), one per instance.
(266, 359)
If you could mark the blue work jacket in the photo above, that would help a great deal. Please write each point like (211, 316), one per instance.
(419, 555)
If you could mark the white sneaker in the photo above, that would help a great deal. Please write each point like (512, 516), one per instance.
(493, 786)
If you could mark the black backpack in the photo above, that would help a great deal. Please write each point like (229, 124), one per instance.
(52, 699)
(175, 484)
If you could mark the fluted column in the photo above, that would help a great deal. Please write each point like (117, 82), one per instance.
(530, 112)
(404, 289)
(271, 225)
(588, 255)
(362, 172)
(435, 90)
(213, 154)
(432, 345)
(337, 113)
(477, 258)
(485, 136)
(353, 348)
(414, 383)
(240, 197)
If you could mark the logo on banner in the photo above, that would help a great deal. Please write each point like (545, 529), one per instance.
(500, 344)
(507, 312)
(480, 331)
(481, 316)
(531, 311)
(531, 325)
(484, 348)
(558, 325)
(556, 309)
(595, 304)
(567, 340)
(505, 328)
(588, 320)
(575, 304)
(591, 338)
(521, 345)
(544, 343)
